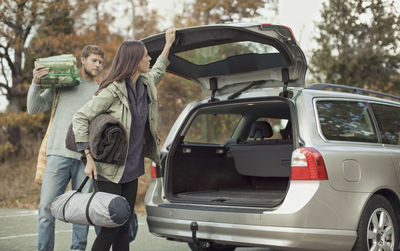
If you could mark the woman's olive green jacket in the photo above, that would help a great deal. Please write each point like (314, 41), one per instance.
(114, 101)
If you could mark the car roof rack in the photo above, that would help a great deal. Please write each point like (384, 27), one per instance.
(356, 90)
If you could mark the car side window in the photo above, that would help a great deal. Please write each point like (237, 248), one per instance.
(346, 121)
(212, 128)
(388, 118)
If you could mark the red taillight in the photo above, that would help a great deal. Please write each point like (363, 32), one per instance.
(308, 164)
(265, 26)
(153, 170)
(291, 31)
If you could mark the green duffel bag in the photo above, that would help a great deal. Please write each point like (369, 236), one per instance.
(63, 71)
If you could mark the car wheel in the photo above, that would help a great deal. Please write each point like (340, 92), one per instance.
(377, 229)
(212, 247)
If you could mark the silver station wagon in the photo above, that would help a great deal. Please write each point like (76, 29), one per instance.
(268, 161)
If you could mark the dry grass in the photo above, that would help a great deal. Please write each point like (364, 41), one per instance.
(18, 188)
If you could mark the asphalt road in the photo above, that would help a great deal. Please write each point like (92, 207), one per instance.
(18, 232)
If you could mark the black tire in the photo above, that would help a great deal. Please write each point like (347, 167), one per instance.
(378, 211)
(213, 247)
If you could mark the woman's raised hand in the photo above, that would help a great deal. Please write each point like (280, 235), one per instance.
(169, 40)
(170, 36)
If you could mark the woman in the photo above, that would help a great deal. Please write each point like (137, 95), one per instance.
(129, 95)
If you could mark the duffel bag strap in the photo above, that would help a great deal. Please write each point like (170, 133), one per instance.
(87, 208)
(88, 204)
(77, 191)
(65, 204)
(83, 184)
(90, 199)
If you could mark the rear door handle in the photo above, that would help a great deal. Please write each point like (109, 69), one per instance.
(187, 150)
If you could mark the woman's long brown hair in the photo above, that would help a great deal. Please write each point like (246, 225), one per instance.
(125, 63)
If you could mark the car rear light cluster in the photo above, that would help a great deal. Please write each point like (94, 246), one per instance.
(265, 25)
(154, 173)
(308, 164)
(291, 31)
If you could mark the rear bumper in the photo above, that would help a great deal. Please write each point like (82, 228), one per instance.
(253, 235)
(313, 216)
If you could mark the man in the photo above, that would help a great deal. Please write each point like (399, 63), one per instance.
(63, 165)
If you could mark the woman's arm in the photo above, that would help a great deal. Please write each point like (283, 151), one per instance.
(80, 124)
(81, 119)
(159, 68)
(169, 40)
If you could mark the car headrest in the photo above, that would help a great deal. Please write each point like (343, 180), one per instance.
(260, 129)
(287, 132)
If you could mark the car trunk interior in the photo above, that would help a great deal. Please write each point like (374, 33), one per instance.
(233, 154)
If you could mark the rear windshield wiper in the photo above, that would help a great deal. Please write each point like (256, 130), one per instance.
(254, 83)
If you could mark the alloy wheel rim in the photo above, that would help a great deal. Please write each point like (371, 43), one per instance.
(380, 232)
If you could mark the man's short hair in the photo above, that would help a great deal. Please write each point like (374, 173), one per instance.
(92, 49)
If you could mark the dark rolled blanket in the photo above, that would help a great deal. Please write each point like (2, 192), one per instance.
(107, 140)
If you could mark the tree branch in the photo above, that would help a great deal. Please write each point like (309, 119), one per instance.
(2, 85)
(32, 21)
(5, 35)
(10, 24)
(2, 92)
(7, 58)
(3, 71)
(27, 31)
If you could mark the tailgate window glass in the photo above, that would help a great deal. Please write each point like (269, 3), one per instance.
(280, 128)
(388, 118)
(214, 128)
(346, 121)
(211, 54)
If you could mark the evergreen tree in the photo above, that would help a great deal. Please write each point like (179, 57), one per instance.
(358, 45)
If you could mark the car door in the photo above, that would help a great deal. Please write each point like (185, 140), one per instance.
(356, 161)
(388, 118)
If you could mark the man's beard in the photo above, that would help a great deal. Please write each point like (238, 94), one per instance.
(89, 73)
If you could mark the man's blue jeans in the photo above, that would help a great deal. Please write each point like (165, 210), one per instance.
(59, 170)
